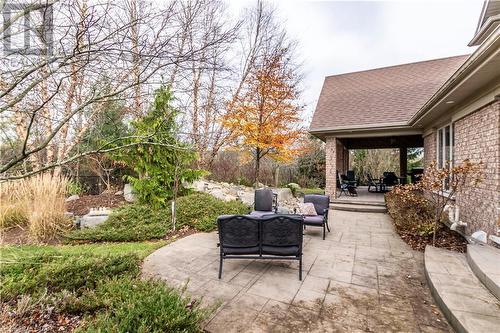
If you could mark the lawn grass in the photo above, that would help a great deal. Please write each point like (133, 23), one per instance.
(139, 222)
(305, 191)
(99, 282)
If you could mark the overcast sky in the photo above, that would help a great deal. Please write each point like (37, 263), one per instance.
(344, 36)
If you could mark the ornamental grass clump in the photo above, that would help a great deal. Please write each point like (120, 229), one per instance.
(36, 204)
(13, 208)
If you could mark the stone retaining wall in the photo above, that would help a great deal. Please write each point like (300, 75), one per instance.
(228, 192)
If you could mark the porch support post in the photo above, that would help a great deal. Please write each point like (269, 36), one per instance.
(346, 159)
(331, 166)
(342, 157)
(403, 161)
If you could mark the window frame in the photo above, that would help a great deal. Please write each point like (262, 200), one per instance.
(441, 134)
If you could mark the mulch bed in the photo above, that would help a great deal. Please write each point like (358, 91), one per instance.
(180, 233)
(18, 235)
(82, 206)
(14, 236)
(37, 320)
(445, 238)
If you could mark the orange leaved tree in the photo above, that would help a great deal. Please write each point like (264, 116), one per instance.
(265, 121)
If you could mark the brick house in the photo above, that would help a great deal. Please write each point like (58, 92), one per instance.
(449, 106)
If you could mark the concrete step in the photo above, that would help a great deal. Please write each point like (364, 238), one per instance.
(484, 260)
(358, 208)
(463, 299)
(358, 202)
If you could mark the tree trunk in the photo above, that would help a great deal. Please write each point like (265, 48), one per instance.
(436, 224)
(134, 15)
(277, 177)
(257, 166)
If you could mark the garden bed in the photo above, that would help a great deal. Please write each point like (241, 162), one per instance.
(37, 320)
(18, 235)
(414, 223)
(82, 205)
(445, 238)
(138, 222)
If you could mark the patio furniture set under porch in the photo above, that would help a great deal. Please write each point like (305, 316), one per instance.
(348, 184)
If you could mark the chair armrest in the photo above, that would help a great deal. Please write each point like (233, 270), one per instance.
(275, 202)
(325, 214)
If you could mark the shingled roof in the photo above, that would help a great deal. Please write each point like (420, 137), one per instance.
(388, 95)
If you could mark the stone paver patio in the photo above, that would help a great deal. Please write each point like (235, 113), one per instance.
(362, 278)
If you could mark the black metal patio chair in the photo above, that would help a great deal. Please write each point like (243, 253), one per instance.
(379, 186)
(390, 179)
(265, 202)
(321, 204)
(351, 178)
(347, 187)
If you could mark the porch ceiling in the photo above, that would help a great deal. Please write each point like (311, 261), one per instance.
(408, 141)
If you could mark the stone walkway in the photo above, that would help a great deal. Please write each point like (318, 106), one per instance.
(362, 278)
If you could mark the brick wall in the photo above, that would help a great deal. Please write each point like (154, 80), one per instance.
(429, 148)
(337, 159)
(477, 137)
(342, 158)
(331, 166)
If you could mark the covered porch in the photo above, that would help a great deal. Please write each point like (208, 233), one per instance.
(337, 157)
(363, 196)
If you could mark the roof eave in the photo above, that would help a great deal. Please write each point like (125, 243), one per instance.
(476, 60)
(379, 129)
(485, 30)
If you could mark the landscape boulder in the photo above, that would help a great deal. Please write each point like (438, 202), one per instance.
(74, 197)
(95, 217)
(227, 192)
(128, 193)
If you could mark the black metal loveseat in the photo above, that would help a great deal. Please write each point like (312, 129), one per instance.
(267, 237)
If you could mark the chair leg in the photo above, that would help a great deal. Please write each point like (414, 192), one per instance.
(220, 266)
(324, 232)
(327, 227)
(300, 268)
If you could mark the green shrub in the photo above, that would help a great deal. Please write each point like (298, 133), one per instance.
(75, 187)
(141, 306)
(128, 223)
(158, 168)
(200, 210)
(100, 282)
(294, 188)
(140, 222)
(63, 272)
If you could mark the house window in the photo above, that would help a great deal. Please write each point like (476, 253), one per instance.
(445, 143)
